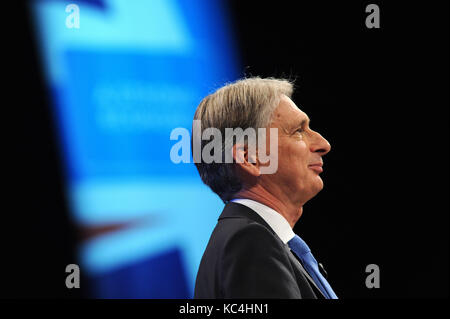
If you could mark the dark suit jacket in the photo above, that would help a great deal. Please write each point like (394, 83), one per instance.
(245, 258)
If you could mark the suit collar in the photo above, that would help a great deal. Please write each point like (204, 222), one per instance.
(235, 210)
(272, 217)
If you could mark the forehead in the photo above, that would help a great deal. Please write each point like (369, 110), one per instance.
(288, 114)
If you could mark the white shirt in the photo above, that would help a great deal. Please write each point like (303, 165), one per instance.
(275, 220)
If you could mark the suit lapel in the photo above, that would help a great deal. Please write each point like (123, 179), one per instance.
(296, 261)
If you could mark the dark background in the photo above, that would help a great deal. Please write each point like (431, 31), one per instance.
(380, 97)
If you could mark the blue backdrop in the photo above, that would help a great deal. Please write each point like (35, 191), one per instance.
(119, 84)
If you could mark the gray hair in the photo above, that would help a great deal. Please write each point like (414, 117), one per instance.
(246, 103)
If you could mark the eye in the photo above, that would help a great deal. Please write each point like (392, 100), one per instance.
(300, 130)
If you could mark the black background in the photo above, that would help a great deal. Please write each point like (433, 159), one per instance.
(380, 97)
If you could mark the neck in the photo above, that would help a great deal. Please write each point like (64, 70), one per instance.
(290, 211)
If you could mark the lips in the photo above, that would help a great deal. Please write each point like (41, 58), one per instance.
(316, 167)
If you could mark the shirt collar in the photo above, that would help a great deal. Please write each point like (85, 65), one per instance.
(275, 220)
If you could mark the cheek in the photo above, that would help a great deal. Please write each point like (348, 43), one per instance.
(294, 156)
(297, 152)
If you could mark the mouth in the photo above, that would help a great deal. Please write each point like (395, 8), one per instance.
(316, 167)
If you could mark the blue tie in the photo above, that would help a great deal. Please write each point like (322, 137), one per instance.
(303, 252)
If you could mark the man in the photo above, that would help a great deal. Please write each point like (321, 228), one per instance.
(253, 251)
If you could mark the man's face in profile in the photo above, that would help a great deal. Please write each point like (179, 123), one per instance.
(300, 151)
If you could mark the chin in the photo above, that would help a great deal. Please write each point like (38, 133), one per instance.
(318, 186)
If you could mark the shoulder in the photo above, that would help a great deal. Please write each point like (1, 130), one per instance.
(254, 264)
(248, 228)
(252, 237)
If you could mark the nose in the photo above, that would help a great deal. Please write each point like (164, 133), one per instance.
(320, 145)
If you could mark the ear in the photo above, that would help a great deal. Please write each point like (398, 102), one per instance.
(246, 162)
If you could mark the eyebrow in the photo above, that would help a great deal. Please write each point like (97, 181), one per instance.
(303, 122)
